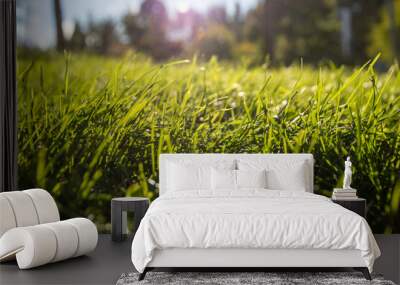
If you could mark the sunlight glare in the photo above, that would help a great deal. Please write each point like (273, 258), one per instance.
(182, 6)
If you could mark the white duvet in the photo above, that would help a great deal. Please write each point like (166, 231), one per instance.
(250, 218)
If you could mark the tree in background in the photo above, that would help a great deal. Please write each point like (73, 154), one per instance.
(217, 14)
(146, 31)
(385, 36)
(108, 36)
(246, 47)
(59, 20)
(154, 19)
(133, 30)
(216, 37)
(261, 26)
(237, 23)
(215, 40)
(101, 36)
(394, 19)
(310, 33)
(341, 31)
(365, 17)
(78, 38)
(288, 30)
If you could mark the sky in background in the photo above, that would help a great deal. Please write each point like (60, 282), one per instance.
(36, 25)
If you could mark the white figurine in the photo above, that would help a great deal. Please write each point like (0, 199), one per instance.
(347, 174)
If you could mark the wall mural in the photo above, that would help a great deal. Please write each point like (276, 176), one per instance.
(103, 90)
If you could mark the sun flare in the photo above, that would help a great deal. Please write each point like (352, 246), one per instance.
(182, 6)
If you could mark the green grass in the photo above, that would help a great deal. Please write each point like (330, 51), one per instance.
(91, 128)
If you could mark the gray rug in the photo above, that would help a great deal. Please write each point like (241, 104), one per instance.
(232, 278)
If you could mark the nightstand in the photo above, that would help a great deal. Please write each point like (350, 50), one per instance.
(357, 205)
(119, 208)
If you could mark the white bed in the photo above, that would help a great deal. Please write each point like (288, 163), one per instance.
(248, 227)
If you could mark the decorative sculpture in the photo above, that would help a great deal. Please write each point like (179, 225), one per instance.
(347, 174)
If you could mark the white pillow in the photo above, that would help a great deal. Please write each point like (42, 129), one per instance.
(223, 179)
(251, 178)
(181, 177)
(287, 178)
(281, 175)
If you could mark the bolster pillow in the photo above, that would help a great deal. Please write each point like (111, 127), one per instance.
(40, 244)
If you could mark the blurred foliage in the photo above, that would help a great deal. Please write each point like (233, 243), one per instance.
(248, 53)
(92, 128)
(215, 40)
(341, 31)
(385, 36)
(146, 31)
(290, 29)
(101, 36)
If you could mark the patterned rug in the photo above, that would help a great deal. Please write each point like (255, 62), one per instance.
(269, 278)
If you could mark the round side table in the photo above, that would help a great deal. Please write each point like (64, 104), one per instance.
(119, 208)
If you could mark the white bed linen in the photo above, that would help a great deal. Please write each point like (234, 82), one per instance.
(252, 218)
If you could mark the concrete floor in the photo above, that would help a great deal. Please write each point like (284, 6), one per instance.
(103, 266)
(389, 262)
(110, 260)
